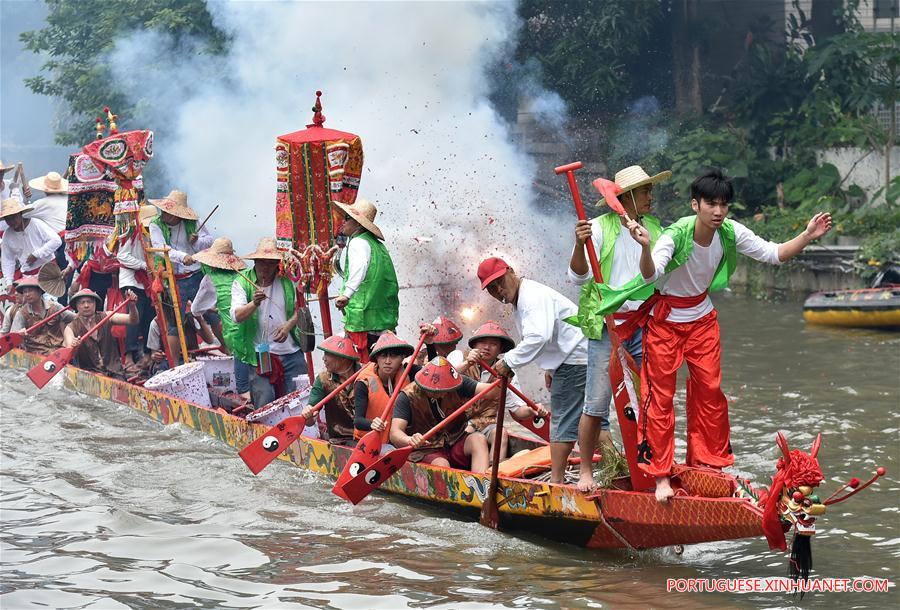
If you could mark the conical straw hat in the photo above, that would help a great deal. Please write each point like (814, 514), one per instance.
(13, 206)
(492, 330)
(438, 376)
(266, 250)
(176, 204)
(363, 212)
(221, 255)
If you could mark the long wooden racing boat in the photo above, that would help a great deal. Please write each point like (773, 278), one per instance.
(709, 506)
(868, 308)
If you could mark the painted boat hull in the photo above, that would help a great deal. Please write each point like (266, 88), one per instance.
(613, 518)
(867, 308)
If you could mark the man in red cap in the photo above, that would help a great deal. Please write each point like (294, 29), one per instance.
(557, 347)
(438, 391)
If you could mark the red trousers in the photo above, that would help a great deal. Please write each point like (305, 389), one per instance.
(666, 346)
(361, 341)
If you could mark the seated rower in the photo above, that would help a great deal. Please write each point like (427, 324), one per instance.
(98, 353)
(447, 335)
(438, 391)
(48, 337)
(10, 314)
(375, 384)
(341, 360)
(488, 342)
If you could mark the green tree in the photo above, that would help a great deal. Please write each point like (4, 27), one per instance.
(78, 38)
(584, 46)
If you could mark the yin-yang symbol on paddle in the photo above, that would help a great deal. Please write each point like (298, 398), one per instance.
(270, 444)
(356, 468)
(538, 421)
(372, 477)
(49, 366)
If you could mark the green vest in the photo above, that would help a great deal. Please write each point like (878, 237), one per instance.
(190, 227)
(223, 279)
(589, 319)
(682, 233)
(244, 347)
(375, 305)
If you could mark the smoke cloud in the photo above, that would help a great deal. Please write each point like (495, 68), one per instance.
(411, 80)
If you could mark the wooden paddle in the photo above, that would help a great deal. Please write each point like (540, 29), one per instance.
(14, 339)
(263, 451)
(368, 448)
(626, 410)
(208, 216)
(538, 424)
(47, 369)
(490, 515)
(371, 478)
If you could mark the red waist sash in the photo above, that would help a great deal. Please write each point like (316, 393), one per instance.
(664, 304)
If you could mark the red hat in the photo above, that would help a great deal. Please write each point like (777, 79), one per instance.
(490, 269)
(447, 331)
(389, 340)
(438, 376)
(492, 330)
(340, 346)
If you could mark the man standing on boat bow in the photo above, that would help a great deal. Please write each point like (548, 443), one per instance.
(694, 256)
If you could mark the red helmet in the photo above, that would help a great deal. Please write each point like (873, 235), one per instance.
(447, 332)
(492, 330)
(389, 340)
(340, 346)
(438, 376)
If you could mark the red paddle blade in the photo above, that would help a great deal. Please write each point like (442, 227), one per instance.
(372, 477)
(628, 417)
(263, 451)
(364, 455)
(537, 424)
(9, 342)
(610, 190)
(41, 373)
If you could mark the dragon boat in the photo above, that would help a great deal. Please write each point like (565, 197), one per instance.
(867, 308)
(710, 506)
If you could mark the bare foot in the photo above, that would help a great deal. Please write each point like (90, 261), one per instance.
(664, 490)
(586, 482)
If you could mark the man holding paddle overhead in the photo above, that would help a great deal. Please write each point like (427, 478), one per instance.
(620, 258)
(694, 256)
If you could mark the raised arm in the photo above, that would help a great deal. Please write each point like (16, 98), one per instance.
(819, 225)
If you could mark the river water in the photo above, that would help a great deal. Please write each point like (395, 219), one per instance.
(103, 508)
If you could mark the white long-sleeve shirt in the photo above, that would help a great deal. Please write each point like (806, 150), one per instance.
(695, 276)
(357, 256)
(271, 314)
(625, 267)
(52, 210)
(206, 299)
(131, 259)
(547, 340)
(180, 245)
(37, 238)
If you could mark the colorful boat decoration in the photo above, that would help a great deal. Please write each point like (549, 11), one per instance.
(865, 308)
(710, 505)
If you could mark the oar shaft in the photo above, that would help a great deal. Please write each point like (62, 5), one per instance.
(399, 386)
(247, 279)
(45, 320)
(107, 318)
(205, 220)
(336, 391)
(579, 210)
(446, 421)
(531, 404)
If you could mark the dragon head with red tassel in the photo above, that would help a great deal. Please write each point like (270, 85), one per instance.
(792, 502)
